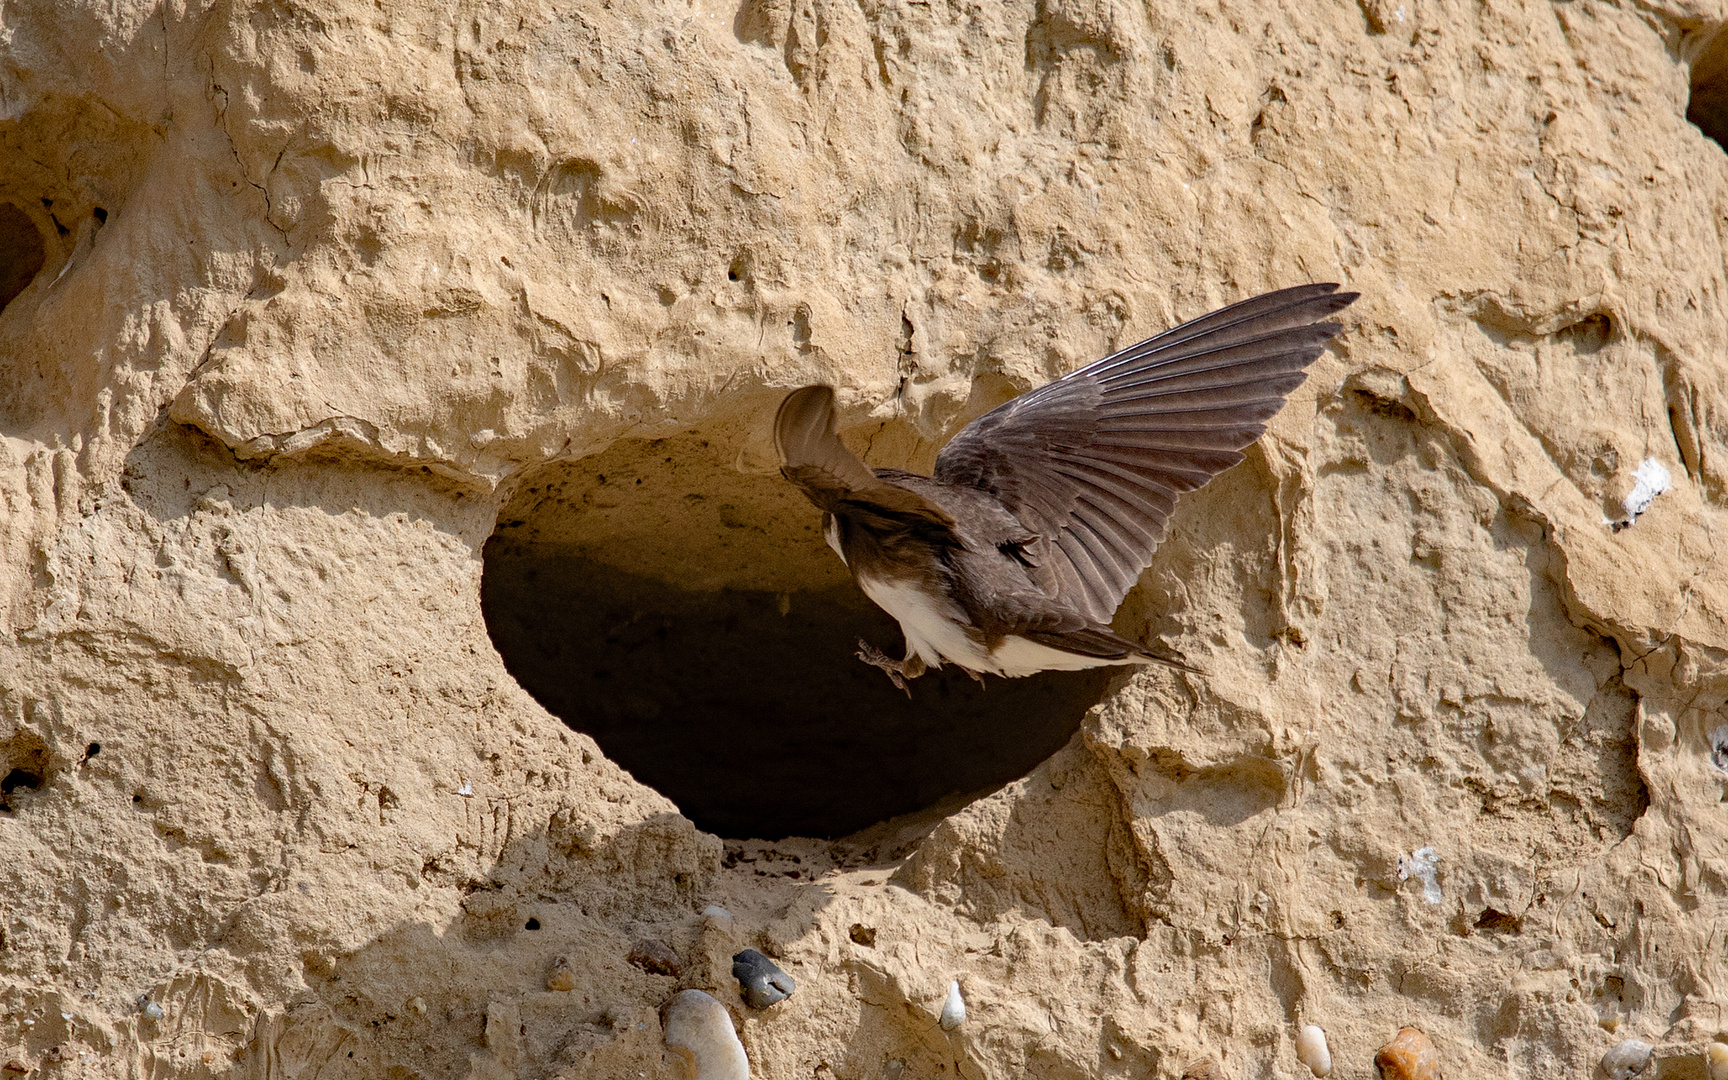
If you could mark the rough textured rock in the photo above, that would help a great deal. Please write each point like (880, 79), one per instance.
(310, 295)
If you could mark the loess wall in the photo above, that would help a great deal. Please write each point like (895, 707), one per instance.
(382, 380)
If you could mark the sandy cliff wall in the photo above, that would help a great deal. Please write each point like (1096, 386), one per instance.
(309, 301)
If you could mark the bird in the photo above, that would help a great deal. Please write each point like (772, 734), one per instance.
(1013, 556)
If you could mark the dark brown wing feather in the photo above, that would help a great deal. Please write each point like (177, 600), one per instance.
(1093, 463)
(813, 457)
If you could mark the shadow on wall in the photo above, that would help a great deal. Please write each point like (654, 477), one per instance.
(690, 619)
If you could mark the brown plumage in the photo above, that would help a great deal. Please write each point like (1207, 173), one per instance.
(1013, 557)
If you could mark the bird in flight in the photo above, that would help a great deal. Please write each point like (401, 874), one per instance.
(1042, 513)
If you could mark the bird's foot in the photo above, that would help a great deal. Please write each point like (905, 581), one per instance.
(898, 671)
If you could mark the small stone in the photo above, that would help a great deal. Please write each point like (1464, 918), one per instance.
(761, 980)
(656, 958)
(417, 1005)
(1409, 1056)
(561, 976)
(863, 935)
(1716, 1060)
(1312, 1051)
(716, 917)
(699, 1031)
(15, 1068)
(1626, 1059)
(1206, 1068)
(953, 1009)
(57, 1053)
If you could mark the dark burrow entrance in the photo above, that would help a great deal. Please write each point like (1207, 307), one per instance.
(1707, 106)
(690, 619)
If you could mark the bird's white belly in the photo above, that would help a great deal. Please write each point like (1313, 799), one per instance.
(936, 631)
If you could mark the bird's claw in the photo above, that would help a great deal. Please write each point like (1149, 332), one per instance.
(898, 671)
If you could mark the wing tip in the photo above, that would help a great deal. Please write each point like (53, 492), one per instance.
(807, 407)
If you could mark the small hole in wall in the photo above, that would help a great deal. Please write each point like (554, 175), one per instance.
(531, 924)
(21, 252)
(1707, 106)
(690, 618)
(23, 767)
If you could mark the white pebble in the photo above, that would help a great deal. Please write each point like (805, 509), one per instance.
(717, 917)
(154, 1011)
(953, 1009)
(1311, 1050)
(466, 789)
(1716, 1060)
(1627, 1059)
(699, 1030)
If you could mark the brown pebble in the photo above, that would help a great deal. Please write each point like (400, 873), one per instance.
(1205, 1068)
(561, 976)
(15, 1068)
(58, 1053)
(863, 935)
(1409, 1056)
(656, 958)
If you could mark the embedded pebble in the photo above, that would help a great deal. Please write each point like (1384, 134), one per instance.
(953, 1009)
(1205, 1068)
(1626, 1059)
(14, 1067)
(151, 1010)
(1410, 1055)
(416, 1005)
(717, 917)
(656, 958)
(561, 975)
(761, 980)
(1312, 1051)
(1716, 1061)
(699, 1031)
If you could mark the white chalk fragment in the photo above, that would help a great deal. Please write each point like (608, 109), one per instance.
(1651, 480)
(467, 788)
(1716, 1060)
(153, 1011)
(699, 1030)
(1312, 1051)
(1626, 1059)
(953, 1009)
(1422, 864)
(1719, 748)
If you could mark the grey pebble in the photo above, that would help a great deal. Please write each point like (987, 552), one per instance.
(761, 980)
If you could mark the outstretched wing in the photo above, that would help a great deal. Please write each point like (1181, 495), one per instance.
(813, 457)
(1092, 463)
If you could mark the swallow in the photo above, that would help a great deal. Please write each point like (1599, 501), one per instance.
(1041, 514)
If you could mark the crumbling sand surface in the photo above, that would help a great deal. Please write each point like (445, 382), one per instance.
(321, 291)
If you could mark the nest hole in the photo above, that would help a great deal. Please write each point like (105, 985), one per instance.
(22, 252)
(1707, 106)
(691, 620)
(23, 767)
